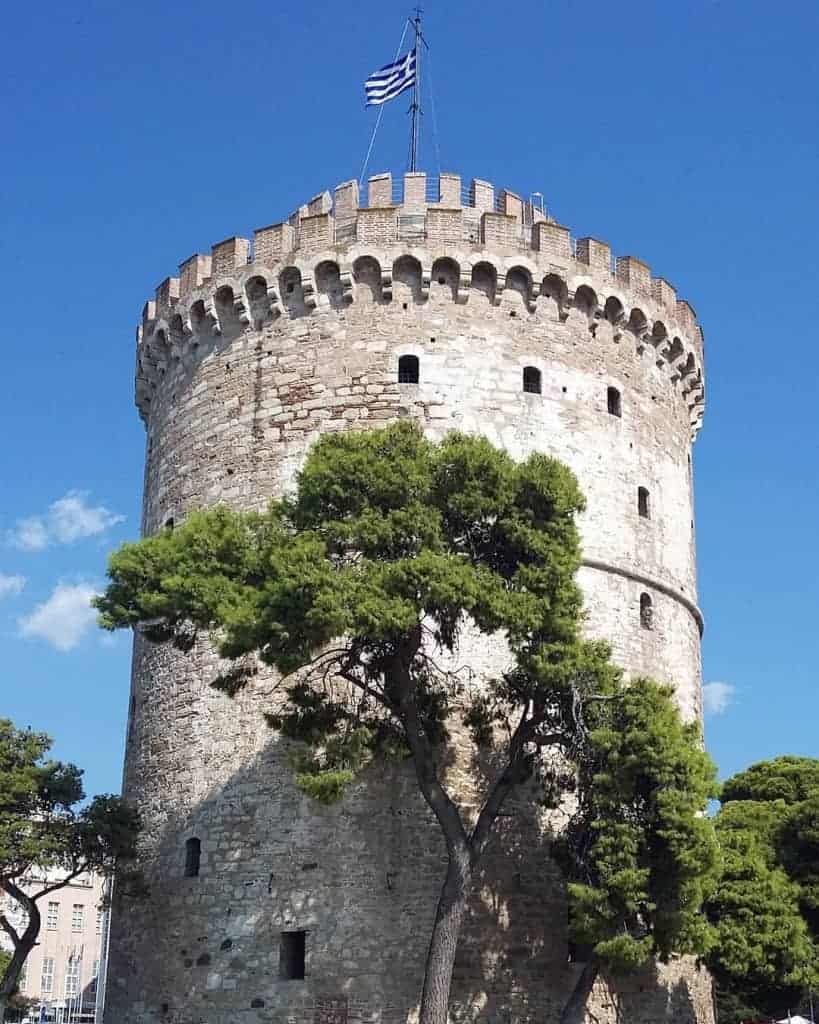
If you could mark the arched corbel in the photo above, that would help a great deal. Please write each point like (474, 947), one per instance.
(386, 283)
(500, 284)
(308, 290)
(426, 279)
(345, 276)
(212, 315)
(240, 307)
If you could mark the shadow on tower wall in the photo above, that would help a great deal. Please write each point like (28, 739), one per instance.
(360, 879)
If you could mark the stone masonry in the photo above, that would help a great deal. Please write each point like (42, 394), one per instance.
(243, 360)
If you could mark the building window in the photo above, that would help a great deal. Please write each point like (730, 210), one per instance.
(52, 914)
(643, 504)
(193, 853)
(77, 915)
(646, 612)
(72, 976)
(92, 985)
(408, 370)
(100, 914)
(47, 977)
(291, 955)
(615, 406)
(531, 380)
(22, 981)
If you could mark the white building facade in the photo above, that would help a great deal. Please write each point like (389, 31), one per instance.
(62, 971)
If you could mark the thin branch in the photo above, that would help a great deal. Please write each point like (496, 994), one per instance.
(60, 885)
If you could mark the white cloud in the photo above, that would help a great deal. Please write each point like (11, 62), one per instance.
(68, 519)
(29, 534)
(64, 618)
(716, 697)
(10, 585)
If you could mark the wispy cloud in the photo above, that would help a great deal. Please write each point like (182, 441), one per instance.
(717, 697)
(68, 519)
(11, 585)
(64, 618)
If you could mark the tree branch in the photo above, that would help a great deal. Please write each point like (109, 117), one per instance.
(434, 793)
(61, 884)
(508, 779)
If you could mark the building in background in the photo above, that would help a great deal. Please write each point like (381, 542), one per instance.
(61, 971)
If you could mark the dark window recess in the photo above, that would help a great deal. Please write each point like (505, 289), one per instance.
(531, 380)
(193, 853)
(615, 405)
(291, 955)
(408, 370)
(643, 504)
(646, 612)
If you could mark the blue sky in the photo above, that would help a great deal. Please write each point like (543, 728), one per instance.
(134, 135)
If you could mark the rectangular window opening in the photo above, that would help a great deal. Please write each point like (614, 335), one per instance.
(291, 955)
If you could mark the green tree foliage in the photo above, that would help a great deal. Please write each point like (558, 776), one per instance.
(640, 854)
(47, 837)
(355, 587)
(765, 908)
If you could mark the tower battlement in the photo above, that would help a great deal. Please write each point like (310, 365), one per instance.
(432, 230)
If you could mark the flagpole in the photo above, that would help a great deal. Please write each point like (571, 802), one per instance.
(416, 95)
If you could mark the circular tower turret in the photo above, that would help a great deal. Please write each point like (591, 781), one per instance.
(475, 312)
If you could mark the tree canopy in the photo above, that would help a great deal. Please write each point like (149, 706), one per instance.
(639, 853)
(48, 836)
(356, 588)
(765, 908)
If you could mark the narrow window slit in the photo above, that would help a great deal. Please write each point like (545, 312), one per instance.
(408, 370)
(614, 402)
(292, 950)
(532, 380)
(193, 853)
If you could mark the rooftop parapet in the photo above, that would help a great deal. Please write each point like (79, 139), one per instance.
(440, 218)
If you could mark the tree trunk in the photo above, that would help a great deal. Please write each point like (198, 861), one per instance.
(23, 944)
(444, 942)
(575, 1009)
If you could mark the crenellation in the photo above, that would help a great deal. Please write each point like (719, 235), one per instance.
(594, 254)
(322, 203)
(316, 232)
(270, 244)
(167, 295)
(499, 229)
(379, 190)
(449, 190)
(664, 293)
(511, 204)
(193, 273)
(228, 255)
(553, 240)
(482, 195)
(346, 203)
(686, 314)
(415, 192)
(635, 273)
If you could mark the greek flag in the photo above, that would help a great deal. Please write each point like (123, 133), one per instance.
(391, 80)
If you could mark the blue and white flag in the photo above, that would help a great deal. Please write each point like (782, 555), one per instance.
(391, 80)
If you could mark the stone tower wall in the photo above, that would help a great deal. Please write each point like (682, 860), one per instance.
(242, 361)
